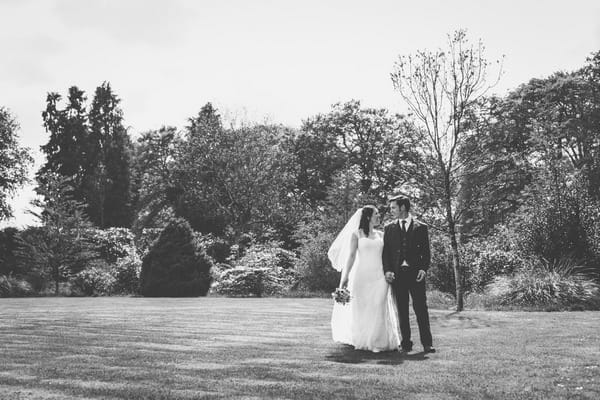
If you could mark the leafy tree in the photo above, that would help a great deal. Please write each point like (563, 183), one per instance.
(66, 150)
(492, 189)
(153, 180)
(60, 247)
(236, 179)
(92, 149)
(14, 161)
(381, 146)
(316, 160)
(108, 175)
(174, 266)
(441, 88)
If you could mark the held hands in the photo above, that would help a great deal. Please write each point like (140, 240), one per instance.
(421, 275)
(389, 277)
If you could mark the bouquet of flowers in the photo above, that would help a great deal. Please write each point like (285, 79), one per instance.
(341, 296)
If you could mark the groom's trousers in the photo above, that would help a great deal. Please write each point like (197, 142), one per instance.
(405, 284)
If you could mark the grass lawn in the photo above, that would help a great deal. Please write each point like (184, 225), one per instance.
(220, 348)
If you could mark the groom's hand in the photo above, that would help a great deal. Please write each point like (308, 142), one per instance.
(389, 277)
(420, 275)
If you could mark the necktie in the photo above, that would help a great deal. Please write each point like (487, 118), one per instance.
(404, 226)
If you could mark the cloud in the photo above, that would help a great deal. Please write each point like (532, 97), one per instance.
(28, 56)
(152, 22)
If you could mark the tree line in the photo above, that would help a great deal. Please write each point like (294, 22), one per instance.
(494, 176)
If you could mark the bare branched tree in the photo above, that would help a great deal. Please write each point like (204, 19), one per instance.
(441, 88)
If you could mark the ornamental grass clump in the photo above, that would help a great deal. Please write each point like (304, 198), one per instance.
(558, 284)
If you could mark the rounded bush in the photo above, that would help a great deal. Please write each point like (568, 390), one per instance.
(174, 266)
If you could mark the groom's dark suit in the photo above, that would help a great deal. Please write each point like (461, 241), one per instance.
(404, 254)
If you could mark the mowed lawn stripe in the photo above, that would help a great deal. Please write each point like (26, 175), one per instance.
(241, 348)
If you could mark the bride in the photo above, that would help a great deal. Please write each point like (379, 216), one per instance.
(369, 320)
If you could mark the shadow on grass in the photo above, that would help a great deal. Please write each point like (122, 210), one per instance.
(347, 355)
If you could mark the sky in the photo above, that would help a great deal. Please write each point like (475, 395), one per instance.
(260, 60)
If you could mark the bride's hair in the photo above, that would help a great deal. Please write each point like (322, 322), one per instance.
(365, 218)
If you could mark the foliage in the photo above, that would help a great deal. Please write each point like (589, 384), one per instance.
(492, 188)
(314, 268)
(440, 275)
(108, 178)
(245, 281)
(91, 149)
(560, 219)
(215, 247)
(320, 227)
(174, 266)
(113, 243)
(152, 176)
(560, 283)
(145, 239)
(11, 286)
(264, 269)
(499, 253)
(126, 273)
(236, 179)
(378, 145)
(59, 248)
(14, 161)
(9, 242)
(93, 281)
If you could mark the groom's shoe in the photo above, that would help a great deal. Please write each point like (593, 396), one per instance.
(404, 350)
(429, 349)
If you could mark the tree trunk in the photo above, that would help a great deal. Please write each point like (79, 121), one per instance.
(454, 244)
(457, 269)
(56, 276)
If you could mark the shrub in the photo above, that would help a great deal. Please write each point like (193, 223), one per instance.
(93, 281)
(441, 273)
(554, 285)
(314, 268)
(174, 266)
(481, 260)
(487, 263)
(126, 273)
(246, 281)
(113, 243)
(264, 269)
(11, 286)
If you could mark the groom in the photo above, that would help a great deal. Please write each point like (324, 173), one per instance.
(405, 262)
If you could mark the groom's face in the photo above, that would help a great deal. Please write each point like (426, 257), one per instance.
(398, 211)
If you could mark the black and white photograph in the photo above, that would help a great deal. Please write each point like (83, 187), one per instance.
(283, 199)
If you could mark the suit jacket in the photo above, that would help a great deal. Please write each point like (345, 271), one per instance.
(418, 255)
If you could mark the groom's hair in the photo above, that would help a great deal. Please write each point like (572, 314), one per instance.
(400, 201)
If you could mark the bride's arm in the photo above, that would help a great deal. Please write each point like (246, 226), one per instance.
(350, 263)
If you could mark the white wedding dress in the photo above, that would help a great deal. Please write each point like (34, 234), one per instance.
(369, 321)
